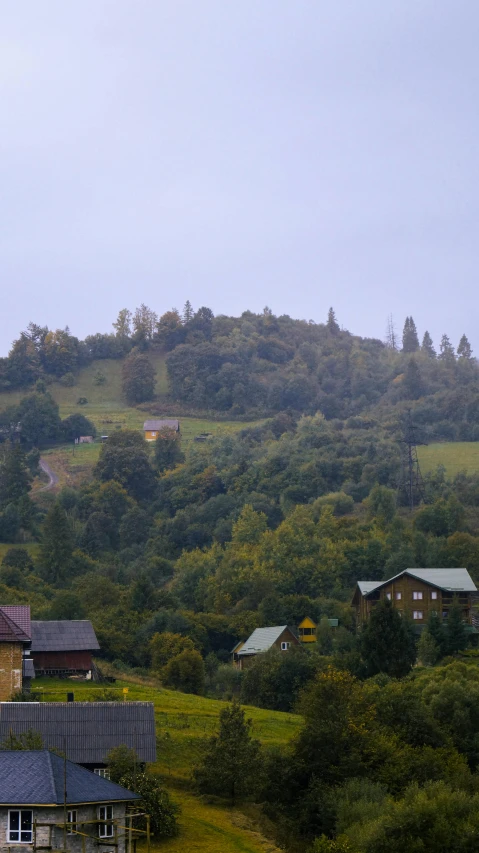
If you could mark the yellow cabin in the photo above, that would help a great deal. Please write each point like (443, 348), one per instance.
(152, 427)
(307, 630)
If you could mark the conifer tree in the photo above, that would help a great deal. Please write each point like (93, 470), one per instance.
(446, 351)
(456, 637)
(413, 385)
(14, 475)
(188, 312)
(232, 764)
(435, 629)
(427, 650)
(410, 341)
(428, 346)
(332, 323)
(464, 349)
(387, 642)
(57, 545)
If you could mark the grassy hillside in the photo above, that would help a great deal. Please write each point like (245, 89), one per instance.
(454, 455)
(183, 722)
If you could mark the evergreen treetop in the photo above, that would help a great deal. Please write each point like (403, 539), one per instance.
(410, 341)
(464, 349)
(427, 346)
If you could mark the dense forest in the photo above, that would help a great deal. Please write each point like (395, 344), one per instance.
(175, 553)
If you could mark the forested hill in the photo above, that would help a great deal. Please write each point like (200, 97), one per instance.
(258, 364)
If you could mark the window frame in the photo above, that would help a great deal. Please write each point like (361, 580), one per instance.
(389, 596)
(285, 646)
(19, 831)
(105, 827)
(72, 817)
(433, 595)
(417, 595)
(102, 772)
(416, 615)
(398, 596)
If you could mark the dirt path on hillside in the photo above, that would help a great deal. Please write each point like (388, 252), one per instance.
(52, 477)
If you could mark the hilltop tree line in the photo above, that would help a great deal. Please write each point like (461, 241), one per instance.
(260, 364)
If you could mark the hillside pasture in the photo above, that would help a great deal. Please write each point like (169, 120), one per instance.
(455, 456)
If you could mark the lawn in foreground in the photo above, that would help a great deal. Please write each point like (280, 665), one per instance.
(456, 456)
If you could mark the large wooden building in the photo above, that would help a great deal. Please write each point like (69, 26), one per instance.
(418, 592)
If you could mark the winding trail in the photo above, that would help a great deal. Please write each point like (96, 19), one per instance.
(52, 477)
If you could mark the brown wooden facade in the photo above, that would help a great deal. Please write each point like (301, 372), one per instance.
(413, 596)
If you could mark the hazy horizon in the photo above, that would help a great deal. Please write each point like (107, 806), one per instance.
(295, 155)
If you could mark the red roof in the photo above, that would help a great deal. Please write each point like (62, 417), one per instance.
(20, 614)
(10, 632)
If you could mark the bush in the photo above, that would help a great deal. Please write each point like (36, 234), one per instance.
(82, 401)
(155, 802)
(186, 672)
(68, 380)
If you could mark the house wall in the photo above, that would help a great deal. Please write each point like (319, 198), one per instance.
(45, 661)
(10, 670)
(310, 626)
(74, 842)
(244, 661)
(406, 586)
(151, 434)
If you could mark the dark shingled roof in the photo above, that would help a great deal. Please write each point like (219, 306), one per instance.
(10, 632)
(74, 636)
(86, 730)
(20, 613)
(29, 777)
(157, 424)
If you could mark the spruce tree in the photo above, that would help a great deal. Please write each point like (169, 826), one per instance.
(410, 341)
(332, 323)
(188, 312)
(435, 629)
(428, 346)
(456, 637)
(56, 546)
(232, 763)
(14, 475)
(413, 385)
(464, 349)
(387, 642)
(427, 650)
(446, 351)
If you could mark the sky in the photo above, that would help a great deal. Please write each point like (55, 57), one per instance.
(296, 154)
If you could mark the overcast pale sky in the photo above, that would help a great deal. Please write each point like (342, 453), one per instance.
(295, 153)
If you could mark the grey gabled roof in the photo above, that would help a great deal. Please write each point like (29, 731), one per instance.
(161, 423)
(64, 636)
(85, 730)
(36, 777)
(262, 639)
(450, 580)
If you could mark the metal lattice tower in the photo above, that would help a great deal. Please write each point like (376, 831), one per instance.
(412, 483)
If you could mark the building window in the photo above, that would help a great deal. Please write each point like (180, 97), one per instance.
(285, 647)
(417, 596)
(417, 614)
(398, 596)
(72, 820)
(388, 596)
(105, 829)
(434, 596)
(20, 826)
(103, 772)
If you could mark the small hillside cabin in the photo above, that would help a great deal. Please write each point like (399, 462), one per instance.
(262, 640)
(48, 803)
(418, 592)
(152, 427)
(85, 731)
(63, 648)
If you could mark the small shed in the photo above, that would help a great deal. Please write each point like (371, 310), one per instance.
(261, 640)
(62, 648)
(86, 439)
(152, 427)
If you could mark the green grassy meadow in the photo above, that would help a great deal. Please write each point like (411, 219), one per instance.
(183, 722)
(454, 455)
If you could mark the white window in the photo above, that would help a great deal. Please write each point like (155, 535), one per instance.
(398, 596)
(153, 433)
(105, 830)
(72, 819)
(388, 596)
(285, 647)
(20, 826)
(434, 596)
(103, 772)
(417, 596)
(417, 614)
